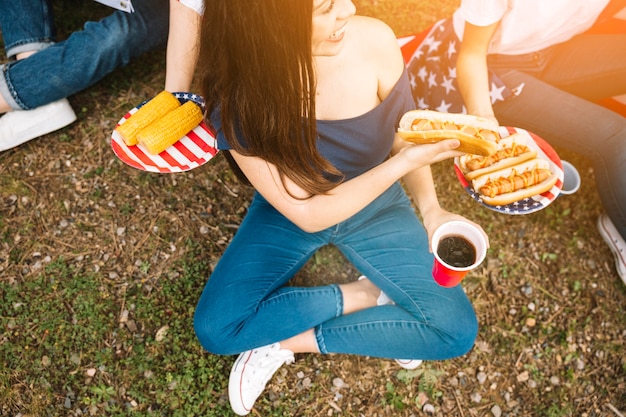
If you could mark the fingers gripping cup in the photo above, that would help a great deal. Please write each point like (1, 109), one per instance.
(459, 247)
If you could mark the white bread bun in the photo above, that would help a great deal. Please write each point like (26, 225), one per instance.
(510, 145)
(477, 135)
(507, 173)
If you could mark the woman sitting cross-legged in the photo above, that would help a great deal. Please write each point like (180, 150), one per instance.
(305, 98)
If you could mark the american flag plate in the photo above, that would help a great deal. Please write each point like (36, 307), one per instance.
(526, 205)
(196, 148)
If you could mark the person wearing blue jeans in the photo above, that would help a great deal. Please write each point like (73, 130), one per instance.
(560, 69)
(247, 304)
(536, 65)
(557, 103)
(305, 102)
(42, 73)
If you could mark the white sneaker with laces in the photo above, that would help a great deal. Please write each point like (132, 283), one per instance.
(20, 126)
(383, 299)
(616, 242)
(251, 372)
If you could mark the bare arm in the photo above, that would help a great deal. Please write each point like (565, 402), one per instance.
(472, 74)
(183, 45)
(322, 211)
(420, 184)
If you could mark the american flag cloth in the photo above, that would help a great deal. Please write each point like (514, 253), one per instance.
(432, 71)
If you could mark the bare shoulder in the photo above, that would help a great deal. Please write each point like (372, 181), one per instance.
(379, 46)
(376, 33)
(376, 40)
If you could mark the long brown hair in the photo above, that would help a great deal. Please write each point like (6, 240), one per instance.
(257, 69)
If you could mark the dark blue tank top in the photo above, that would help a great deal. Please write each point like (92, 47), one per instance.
(356, 145)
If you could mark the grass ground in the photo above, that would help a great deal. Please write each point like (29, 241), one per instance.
(101, 266)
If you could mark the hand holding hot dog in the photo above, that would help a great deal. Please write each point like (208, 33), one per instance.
(477, 135)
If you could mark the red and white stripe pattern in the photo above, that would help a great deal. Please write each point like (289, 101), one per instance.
(196, 148)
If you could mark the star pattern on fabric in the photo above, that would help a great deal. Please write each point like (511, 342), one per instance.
(451, 49)
(433, 75)
(444, 107)
(422, 74)
(432, 44)
(432, 79)
(448, 84)
(496, 93)
(524, 206)
(196, 98)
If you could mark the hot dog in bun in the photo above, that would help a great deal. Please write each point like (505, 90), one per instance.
(515, 183)
(478, 136)
(511, 151)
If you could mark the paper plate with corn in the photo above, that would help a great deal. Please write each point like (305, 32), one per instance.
(165, 134)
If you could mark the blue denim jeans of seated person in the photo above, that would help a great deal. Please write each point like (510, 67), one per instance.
(557, 103)
(246, 302)
(61, 69)
(26, 25)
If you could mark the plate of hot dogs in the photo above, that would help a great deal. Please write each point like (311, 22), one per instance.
(506, 169)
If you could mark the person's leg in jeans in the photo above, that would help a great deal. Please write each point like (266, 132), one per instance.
(27, 26)
(390, 246)
(245, 304)
(591, 67)
(556, 103)
(581, 126)
(86, 56)
(246, 308)
(70, 66)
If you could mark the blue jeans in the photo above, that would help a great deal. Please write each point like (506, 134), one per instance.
(246, 303)
(560, 85)
(61, 69)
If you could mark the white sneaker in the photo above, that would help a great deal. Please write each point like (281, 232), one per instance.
(383, 299)
(251, 372)
(409, 363)
(20, 126)
(616, 242)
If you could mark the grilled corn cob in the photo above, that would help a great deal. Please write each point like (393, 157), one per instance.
(168, 130)
(159, 106)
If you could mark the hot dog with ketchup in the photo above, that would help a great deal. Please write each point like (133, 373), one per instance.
(515, 183)
(478, 136)
(511, 150)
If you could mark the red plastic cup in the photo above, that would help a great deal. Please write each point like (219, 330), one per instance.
(445, 273)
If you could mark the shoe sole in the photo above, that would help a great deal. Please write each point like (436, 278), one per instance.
(620, 258)
(234, 387)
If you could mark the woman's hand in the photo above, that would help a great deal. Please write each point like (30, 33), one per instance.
(436, 217)
(422, 155)
(420, 182)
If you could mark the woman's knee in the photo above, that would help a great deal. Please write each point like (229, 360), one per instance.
(212, 334)
(459, 330)
(466, 332)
